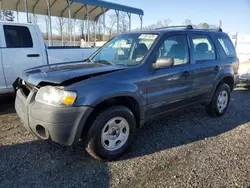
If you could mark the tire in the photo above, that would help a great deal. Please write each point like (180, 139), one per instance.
(102, 137)
(213, 108)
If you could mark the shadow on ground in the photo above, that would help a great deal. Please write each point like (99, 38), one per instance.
(42, 164)
(7, 105)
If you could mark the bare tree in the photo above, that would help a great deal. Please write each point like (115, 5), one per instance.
(123, 22)
(187, 22)
(111, 23)
(167, 22)
(46, 19)
(33, 18)
(69, 30)
(92, 28)
(159, 24)
(100, 27)
(212, 26)
(60, 23)
(81, 24)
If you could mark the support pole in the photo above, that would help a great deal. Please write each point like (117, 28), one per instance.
(70, 25)
(129, 17)
(62, 32)
(118, 21)
(87, 16)
(17, 10)
(1, 11)
(85, 30)
(95, 23)
(74, 32)
(27, 10)
(49, 20)
(82, 29)
(104, 25)
(141, 18)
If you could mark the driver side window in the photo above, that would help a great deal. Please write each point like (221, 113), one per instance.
(175, 46)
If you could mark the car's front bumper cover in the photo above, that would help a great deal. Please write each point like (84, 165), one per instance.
(63, 125)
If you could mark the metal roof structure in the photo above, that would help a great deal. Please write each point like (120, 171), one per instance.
(89, 10)
(59, 8)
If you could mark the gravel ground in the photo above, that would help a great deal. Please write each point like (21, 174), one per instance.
(186, 149)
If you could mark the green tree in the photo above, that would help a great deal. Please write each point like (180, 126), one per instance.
(205, 26)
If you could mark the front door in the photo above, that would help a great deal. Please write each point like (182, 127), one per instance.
(21, 51)
(171, 87)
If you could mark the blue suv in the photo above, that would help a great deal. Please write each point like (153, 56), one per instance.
(134, 77)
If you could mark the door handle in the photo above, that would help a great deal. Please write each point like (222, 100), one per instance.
(186, 73)
(216, 68)
(33, 55)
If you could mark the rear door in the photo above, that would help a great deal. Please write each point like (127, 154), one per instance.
(171, 87)
(22, 50)
(207, 64)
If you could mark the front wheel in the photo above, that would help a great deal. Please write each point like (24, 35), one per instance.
(220, 101)
(113, 130)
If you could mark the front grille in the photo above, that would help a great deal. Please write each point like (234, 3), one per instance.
(26, 88)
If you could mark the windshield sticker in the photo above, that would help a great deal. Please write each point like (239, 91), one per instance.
(148, 36)
(139, 58)
(120, 52)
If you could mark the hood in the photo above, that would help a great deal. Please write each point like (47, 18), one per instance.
(66, 73)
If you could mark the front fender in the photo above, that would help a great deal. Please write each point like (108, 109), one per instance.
(99, 93)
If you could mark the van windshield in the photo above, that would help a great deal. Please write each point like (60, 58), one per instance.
(127, 49)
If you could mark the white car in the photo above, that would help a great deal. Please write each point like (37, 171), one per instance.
(22, 47)
(244, 72)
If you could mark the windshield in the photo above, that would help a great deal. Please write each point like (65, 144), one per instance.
(128, 49)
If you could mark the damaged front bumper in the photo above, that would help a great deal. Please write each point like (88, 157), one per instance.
(63, 125)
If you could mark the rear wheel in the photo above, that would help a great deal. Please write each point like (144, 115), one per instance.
(113, 131)
(220, 101)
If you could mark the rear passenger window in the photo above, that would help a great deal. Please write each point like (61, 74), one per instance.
(227, 46)
(203, 48)
(17, 37)
(175, 46)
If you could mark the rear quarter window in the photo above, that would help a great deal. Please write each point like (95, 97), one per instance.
(227, 46)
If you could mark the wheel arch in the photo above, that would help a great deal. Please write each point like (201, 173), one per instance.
(121, 100)
(227, 79)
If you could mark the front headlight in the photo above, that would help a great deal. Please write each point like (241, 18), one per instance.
(55, 96)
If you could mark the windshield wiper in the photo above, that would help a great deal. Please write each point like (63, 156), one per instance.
(88, 60)
(105, 62)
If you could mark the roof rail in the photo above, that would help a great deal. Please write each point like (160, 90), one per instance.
(216, 29)
(212, 29)
(176, 26)
(189, 27)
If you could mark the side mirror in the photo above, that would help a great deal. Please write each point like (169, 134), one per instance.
(164, 62)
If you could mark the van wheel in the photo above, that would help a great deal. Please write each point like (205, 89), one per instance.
(220, 101)
(111, 133)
